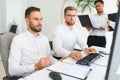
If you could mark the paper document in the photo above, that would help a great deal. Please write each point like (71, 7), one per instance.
(74, 70)
(104, 50)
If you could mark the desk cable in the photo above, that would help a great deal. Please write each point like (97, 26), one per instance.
(99, 64)
(101, 55)
(101, 52)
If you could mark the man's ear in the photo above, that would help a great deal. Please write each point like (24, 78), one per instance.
(64, 16)
(27, 21)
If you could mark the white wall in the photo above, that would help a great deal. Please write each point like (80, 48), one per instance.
(2, 15)
(110, 6)
(14, 12)
(51, 11)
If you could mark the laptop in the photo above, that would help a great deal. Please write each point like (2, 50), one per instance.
(85, 20)
(112, 17)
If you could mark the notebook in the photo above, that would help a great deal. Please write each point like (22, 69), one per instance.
(71, 70)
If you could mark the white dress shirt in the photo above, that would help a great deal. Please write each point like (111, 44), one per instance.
(97, 21)
(64, 40)
(26, 50)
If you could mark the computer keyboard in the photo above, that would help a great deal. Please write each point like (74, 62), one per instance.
(88, 59)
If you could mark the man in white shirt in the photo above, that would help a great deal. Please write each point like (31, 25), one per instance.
(30, 51)
(100, 26)
(67, 35)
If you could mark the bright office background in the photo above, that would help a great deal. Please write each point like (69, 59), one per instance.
(13, 10)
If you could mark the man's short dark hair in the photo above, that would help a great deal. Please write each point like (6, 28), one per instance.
(31, 9)
(69, 8)
(101, 1)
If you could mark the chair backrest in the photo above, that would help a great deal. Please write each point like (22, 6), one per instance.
(5, 42)
(51, 45)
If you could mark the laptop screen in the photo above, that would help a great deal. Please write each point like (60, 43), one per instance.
(85, 20)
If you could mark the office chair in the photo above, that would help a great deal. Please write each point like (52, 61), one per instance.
(5, 42)
(51, 45)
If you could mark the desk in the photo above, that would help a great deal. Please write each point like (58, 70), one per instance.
(97, 73)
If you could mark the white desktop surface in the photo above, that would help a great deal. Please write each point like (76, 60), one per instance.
(97, 73)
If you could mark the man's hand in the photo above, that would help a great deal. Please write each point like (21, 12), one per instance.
(90, 50)
(88, 28)
(43, 62)
(108, 22)
(76, 55)
(101, 28)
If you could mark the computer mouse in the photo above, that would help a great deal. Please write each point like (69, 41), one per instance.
(55, 75)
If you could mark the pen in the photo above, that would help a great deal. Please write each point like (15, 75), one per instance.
(66, 74)
(87, 74)
(68, 62)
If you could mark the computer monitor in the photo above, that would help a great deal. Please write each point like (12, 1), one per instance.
(114, 58)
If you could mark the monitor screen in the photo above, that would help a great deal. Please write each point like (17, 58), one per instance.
(112, 72)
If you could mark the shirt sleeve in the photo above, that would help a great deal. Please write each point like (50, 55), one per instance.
(49, 53)
(81, 43)
(59, 51)
(112, 24)
(15, 58)
(92, 21)
(53, 60)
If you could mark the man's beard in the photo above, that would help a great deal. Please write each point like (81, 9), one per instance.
(70, 23)
(35, 28)
(99, 11)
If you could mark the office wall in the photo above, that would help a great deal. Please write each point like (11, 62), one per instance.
(51, 11)
(14, 14)
(2, 15)
(110, 6)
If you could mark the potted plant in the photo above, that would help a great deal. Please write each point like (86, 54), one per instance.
(83, 4)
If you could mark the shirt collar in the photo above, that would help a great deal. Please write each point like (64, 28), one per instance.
(100, 15)
(31, 35)
(68, 28)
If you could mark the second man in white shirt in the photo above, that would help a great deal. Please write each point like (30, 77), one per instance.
(67, 35)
